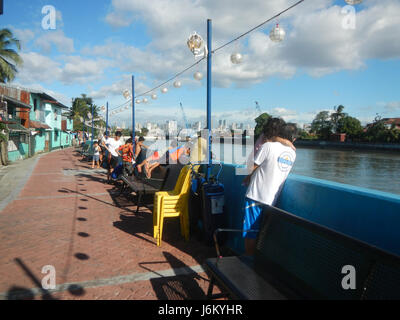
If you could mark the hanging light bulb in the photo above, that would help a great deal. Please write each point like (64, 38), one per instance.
(277, 34)
(194, 43)
(177, 84)
(236, 58)
(145, 100)
(164, 90)
(126, 94)
(198, 75)
(138, 101)
(353, 2)
(154, 96)
(103, 108)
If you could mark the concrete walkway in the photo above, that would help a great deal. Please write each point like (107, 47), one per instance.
(67, 217)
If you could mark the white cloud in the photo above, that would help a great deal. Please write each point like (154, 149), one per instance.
(56, 38)
(316, 41)
(68, 70)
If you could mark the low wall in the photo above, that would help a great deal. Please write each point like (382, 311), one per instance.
(20, 154)
(368, 215)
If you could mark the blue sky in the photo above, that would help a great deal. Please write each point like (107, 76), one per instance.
(98, 45)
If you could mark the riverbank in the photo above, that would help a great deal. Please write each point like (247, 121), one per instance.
(347, 145)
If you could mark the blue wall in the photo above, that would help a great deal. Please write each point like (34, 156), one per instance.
(368, 215)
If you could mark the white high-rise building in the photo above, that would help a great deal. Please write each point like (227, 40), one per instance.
(172, 126)
(197, 126)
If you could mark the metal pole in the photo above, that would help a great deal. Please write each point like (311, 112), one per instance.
(84, 128)
(133, 111)
(209, 84)
(107, 120)
(92, 125)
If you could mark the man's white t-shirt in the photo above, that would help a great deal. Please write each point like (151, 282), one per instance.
(275, 162)
(113, 144)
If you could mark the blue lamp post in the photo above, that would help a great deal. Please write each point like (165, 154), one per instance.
(91, 142)
(107, 119)
(209, 86)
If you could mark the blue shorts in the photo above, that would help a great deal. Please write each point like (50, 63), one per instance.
(252, 217)
(96, 157)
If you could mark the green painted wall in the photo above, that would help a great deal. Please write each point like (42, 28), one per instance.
(21, 153)
(65, 139)
(40, 142)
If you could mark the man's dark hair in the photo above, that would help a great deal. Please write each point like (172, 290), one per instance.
(289, 132)
(273, 127)
(141, 138)
(118, 134)
(129, 141)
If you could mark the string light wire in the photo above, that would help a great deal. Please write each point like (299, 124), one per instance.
(212, 52)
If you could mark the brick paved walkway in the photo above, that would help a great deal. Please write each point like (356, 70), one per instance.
(67, 217)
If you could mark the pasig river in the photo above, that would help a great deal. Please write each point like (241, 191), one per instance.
(368, 169)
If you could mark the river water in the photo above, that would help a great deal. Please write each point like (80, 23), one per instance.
(367, 169)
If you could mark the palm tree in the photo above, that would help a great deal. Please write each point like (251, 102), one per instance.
(9, 58)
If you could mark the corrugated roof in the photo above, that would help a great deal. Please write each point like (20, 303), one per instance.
(17, 102)
(38, 125)
(16, 127)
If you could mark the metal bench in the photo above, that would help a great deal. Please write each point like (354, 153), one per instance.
(297, 259)
(141, 186)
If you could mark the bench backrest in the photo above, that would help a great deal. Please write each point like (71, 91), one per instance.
(306, 260)
(171, 177)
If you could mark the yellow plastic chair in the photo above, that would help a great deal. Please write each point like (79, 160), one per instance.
(175, 203)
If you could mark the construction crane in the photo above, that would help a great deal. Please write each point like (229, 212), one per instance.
(184, 117)
(258, 109)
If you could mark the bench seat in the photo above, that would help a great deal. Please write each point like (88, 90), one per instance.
(252, 286)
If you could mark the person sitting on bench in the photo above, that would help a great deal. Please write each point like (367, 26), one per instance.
(126, 152)
(272, 165)
(170, 155)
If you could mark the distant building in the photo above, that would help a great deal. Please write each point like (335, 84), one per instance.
(172, 126)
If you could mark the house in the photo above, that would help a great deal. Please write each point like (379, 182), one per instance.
(34, 120)
(388, 122)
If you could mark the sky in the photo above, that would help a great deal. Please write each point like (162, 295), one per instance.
(331, 55)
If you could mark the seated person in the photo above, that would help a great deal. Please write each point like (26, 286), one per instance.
(170, 155)
(126, 152)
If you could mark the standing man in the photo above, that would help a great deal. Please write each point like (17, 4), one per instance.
(112, 144)
(272, 165)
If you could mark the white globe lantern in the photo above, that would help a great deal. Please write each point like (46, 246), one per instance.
(198, 75)
(145, 100)
(353, 2)
(277, 34)
(177, 84)
(154, 96)
(103, 108)
(126, 94)
(164, 90)
(138, 101)
(236, 58)
(194, 43)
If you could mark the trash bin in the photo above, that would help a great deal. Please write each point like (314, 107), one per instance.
(213, 208)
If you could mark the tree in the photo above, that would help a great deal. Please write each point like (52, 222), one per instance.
(336, 117)
(260, 121)
(144, 132)
(350, 126)
(322, 125)
(9, 58)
